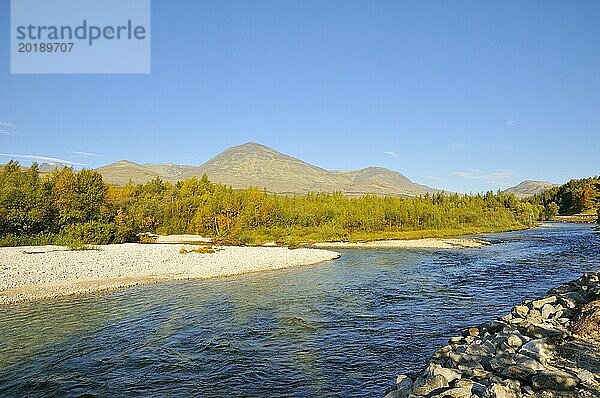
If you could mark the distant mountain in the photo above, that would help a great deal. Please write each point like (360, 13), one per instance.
(529, 188)
(50, 167)
(259, 166)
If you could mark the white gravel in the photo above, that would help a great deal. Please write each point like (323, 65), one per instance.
(50, 271)
(425, 243)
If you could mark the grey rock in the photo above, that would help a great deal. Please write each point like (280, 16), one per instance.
(491, 348)
(442, 353)
(496, 326)
(543, 330)
(554, 380)
(449, 374)
(547, 311)
(477, 349)
(514, 340)
(403, 386)
(498, 390)
(456, 392)
(571, 300)
(520, 310)
(530, 363)
(535, 315)
(539, 349)
(518, 371)
(537, 304)
(501, 362)
(424, 386)
(395, 394)
(478, 389)
(475, 374)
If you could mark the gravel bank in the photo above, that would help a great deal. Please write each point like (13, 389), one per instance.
(50, 271)
(426, 243)
(548, 347)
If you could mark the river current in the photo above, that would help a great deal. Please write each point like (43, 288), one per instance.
(344, 328)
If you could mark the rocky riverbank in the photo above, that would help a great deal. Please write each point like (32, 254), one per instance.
(549, 347)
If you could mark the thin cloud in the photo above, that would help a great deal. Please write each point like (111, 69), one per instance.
(458, 146)
(7, 128)
(434, 178)
(391, 153)
(463, 174)
(47, 159)
(498, 177)
(89, 154)
(469, 173)
(511, 123)
(501, 147)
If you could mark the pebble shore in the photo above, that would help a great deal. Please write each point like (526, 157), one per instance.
(548, 347)
(424, 243)
(37, 272)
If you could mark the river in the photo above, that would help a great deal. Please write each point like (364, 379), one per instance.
(344, 328)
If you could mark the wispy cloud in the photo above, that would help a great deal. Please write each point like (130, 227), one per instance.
(391, 153)
(7, 128)
(89, 154)
(511, 123)
(35, 158)
(434, 178)
(501, 147)
(458, 146)
(498, 177)
(469, 173)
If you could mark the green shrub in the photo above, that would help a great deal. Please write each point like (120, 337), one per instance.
(246, 239)
(91, 233)
(27, 240)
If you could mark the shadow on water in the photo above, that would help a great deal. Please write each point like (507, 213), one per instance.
(343, 328)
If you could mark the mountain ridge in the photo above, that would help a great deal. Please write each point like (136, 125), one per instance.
(256, 165)
(528, 188)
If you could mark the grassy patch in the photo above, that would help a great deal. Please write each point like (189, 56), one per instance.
(297, 237)
(80, 246)
(199, 250)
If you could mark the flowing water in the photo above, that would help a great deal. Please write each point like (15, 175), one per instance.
(343, 328)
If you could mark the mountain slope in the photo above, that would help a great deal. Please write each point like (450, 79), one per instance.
(123, 171)
(256, 165)
(259, 166)
(529, 188)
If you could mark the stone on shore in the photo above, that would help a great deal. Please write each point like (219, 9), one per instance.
(548, 347)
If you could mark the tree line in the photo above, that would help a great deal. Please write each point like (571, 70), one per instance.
(576, 196)
(66, 206)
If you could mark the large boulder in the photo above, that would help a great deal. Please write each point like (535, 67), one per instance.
(497, 390)
(424, 386)
(554, 380)
(539, 349)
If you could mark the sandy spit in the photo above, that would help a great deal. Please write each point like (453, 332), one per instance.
(28, 273)
(431, 243)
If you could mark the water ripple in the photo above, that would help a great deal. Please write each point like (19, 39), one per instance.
(344, 328)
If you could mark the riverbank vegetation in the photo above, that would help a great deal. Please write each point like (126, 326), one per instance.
(574, 197)
(67, 206)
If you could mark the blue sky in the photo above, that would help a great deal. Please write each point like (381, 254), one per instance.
(467, 95)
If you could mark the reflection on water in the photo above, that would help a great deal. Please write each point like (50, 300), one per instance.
(343, 328)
